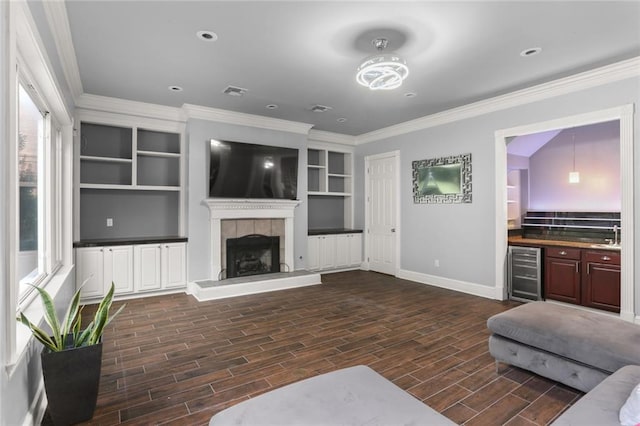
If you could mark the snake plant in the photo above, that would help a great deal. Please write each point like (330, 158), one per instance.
(69, 333)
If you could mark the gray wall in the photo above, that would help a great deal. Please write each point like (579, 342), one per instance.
(462, 236)
(199, 132)
(134, 214)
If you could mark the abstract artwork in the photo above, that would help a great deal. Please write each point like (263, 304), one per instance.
(444, 180)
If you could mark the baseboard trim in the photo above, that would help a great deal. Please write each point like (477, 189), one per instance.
(456, 285)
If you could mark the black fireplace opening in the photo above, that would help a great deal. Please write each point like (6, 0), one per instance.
(252, 255)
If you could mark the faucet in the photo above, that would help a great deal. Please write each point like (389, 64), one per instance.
(615, 233)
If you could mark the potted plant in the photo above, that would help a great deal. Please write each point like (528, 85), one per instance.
(72, 356)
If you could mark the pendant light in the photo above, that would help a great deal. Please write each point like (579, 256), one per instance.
(384, 70)
(574, 177)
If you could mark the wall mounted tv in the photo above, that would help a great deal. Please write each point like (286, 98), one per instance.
(244, 170)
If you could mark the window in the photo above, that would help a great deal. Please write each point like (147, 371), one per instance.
(38, 192)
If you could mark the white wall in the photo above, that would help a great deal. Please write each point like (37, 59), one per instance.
(199, 132)
(462, 236)
(597, 158)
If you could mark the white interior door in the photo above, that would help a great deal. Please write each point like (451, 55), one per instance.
(382, 211)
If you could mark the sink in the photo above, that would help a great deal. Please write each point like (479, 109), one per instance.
(607, 246)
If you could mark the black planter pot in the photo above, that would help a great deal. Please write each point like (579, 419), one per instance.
(71, 380)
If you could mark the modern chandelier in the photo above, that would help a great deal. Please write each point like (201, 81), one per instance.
(382, 71)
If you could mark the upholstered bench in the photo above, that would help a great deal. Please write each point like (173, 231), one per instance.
(352, 396)
(568, 345)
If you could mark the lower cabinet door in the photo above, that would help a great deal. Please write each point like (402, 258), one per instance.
(327, 252)
(118, 268)
(355, 250)
(601, 288)
(562, 280)
(90, 271)
(174, 268)
(313, 253)
(148, 273)
(342, 250)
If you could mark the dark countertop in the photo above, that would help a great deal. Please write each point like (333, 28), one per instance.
(330, 231)
(128, 241)
(532, 242)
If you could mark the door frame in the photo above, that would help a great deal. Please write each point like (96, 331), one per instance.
(624, 114)
(367, 159)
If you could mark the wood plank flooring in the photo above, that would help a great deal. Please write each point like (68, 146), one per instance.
(175, 361)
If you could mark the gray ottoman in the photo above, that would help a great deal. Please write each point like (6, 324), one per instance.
(349, 397)
(601, 406)
(572, 346)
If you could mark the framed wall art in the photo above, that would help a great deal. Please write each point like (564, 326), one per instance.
(444, 180)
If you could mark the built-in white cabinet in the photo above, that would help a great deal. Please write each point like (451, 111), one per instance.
(334, 251)
(148, 270)
(129, 177)
(98, 267)
(133, 268)
(330, 188)
(160, 266)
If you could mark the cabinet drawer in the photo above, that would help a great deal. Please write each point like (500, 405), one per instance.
(607, 257)
(563, 252)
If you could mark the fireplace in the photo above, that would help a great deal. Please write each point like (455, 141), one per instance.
(252, 255)
(249, 216)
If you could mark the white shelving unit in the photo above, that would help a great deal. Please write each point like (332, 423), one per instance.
(330, 176)
(118, 157)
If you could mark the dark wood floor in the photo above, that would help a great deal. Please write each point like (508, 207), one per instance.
(173, 360)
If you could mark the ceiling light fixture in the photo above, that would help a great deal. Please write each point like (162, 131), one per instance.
(382, 71)
(341, 120)
(574, 177)
(271, 106)
(175, 88)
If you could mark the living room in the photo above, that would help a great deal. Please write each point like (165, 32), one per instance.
(454, 246)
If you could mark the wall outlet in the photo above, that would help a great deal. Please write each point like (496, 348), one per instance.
(436, 263)
(109, 221)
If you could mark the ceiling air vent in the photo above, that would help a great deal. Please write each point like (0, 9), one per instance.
(320, 108)
(234, 91)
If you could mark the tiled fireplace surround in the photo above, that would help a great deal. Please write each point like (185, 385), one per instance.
(237, 218)
(235, 228)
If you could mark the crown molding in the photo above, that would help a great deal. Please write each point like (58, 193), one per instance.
(124, 106)
(56, 13)
(243, 119)
(331, 137)
(629, 68)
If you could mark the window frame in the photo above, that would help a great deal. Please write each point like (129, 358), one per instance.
(30, 67)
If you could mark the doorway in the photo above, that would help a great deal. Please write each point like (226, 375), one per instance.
(624, 115)
(382, 210)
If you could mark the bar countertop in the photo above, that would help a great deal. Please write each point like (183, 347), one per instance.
(532, 242)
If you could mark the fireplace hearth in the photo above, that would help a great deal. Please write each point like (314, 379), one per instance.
(252, 255)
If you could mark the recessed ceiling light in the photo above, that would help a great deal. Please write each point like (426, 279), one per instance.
(207, 35)
(175, 88)
(531, 51)
(410, 94)
(341, 120)
(271, 106)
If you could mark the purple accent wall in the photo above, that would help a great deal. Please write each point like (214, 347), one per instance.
(598, 161)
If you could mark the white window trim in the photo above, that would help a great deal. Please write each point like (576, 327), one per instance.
(26, 46)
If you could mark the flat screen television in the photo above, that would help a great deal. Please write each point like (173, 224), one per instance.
(244, 170)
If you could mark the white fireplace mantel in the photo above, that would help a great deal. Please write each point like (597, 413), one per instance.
(223, 208)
